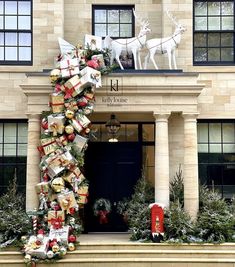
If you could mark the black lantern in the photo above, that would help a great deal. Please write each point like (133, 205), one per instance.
(113, 126)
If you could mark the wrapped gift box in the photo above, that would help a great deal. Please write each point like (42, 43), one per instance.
(69, 67)
(56, 217)
(93, 42)
(61, 234)
(49, 145)
(56, 124)
(39, 251)
(72, 87)
(71, 105)
(79, 143)
(74, 177)
(80, 123)
(62, 140)
(83, 194)
(90, 77)
(57, 102)
(66, 200)
(43, 188)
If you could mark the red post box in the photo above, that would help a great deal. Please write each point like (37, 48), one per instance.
(157, 222)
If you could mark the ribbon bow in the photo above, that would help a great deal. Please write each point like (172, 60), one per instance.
(57, 222)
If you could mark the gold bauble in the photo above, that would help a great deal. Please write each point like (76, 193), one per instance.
(57, 184)
(63, 251)
(69, 114)
(27, 258)
(54, 75)
(71, 247)
(69, 129)
(55, 248)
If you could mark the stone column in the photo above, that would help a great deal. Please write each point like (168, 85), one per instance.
(191, 191)
(33, 160)
(161, 159)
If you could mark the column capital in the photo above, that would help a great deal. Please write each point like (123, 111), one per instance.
(190, 116)
(161, 116)
(33, 116)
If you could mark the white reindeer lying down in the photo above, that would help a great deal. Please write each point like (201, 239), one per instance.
(165, 45)
(132, 45)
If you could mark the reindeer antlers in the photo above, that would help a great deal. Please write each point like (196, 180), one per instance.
(171, 17)
(141, 21)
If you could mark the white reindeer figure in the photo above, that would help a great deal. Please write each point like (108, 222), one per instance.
(165, 45)
(132, 45)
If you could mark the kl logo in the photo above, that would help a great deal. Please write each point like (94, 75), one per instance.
(114, 86)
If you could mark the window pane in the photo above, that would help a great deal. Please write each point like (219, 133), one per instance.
(1, 152)
(213, 8)
(227, 54)
(200, 54)
(25, 39)
(200, 8)
(1, 7)
(148, 132)
(9, 149)
(11, 38)
(226, 39)
(24, 23)
(132, 132)
(24, 8)
(1, 132)
(113, 16)
(25, 53)
(214, 132)
(22, 150)
(227, 8)
(229, 148)
(1, 53)
(1, 22)
(203, 148)
(214, 39)
(11, 7)
(100, 16)
(22, 133)
(228, 133)
(100, 30)
(213, 54)
(125, 16)
(113, 30)
(200, 39)
(202, 129)
(227, 23)
(214, 23)
(11, 22)
(200, 23)
(11, 53)
(125, 30)
(10, 133)
(215, 148)
(1, 38)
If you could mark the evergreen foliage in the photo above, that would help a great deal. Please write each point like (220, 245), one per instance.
(177, 187)
(137, 210)
(14, 221)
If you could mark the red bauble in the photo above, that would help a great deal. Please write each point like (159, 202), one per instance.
(44, 124)
(72, 211)
(52, 243)
(71, 137)
(41, 231)
(38, 242)
(72, 238)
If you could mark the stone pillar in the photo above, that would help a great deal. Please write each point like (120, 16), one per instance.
(191, 190)
(33, 160)
(161, 159)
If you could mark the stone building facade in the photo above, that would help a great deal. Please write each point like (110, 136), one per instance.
(189, 114)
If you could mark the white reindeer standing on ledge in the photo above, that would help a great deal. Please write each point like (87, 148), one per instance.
(165, 45)
(132, 45)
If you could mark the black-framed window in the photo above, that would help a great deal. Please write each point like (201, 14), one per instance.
(213, 32)
(216, 155)
(113, 20)
(13, 153)
(16, 32)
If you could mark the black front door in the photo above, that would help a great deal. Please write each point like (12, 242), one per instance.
(112, 170)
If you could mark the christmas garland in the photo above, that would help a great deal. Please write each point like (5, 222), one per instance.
(65, 131)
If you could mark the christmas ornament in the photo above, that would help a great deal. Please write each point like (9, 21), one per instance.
(23, 238)
(44, 124)
(54, 75)
(27, 258)
(69, 129)
(40, 237)
(50, 254)
(72, 238)
(71, 247)
(53, 243)
(35, 221)
(71, 137)
(63, 251)
(69, 114)
(55, 248)
(57, 184)
(38, 242)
